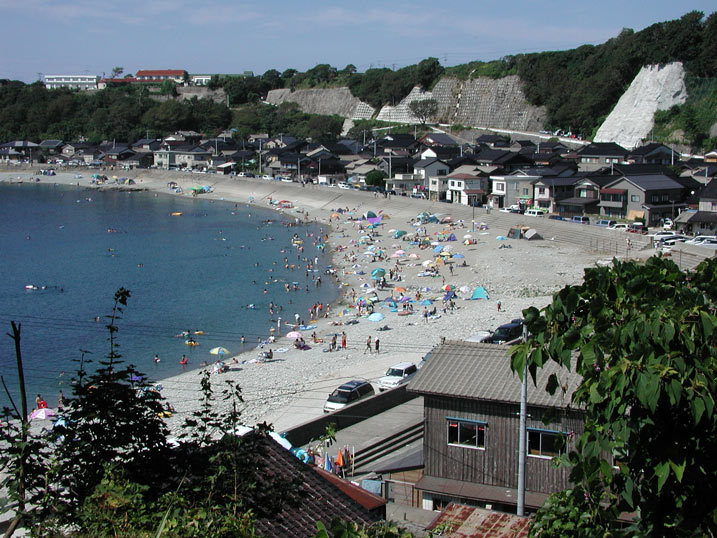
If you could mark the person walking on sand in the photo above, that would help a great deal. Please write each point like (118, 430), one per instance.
(425, 314)
(376, 344)
(343, 339)
(499, 305)
(368, 346)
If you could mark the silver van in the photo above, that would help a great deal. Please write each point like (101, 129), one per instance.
(534, 213)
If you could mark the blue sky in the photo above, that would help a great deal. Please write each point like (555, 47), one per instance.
(225, 36)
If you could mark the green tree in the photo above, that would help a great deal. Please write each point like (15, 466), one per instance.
(376, 178)
(117, 72)
(424, 109)
(644, 339)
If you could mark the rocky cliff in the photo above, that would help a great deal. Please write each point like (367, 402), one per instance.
(654, 88)
(481, 102)
(327, 101)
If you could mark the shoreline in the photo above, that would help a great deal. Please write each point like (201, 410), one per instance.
(292, 388)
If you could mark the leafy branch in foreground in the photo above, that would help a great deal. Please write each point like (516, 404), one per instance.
(644, 339)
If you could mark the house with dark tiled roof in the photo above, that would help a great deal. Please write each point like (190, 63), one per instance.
(508, 160)
(146, 144)
(51, 147)
(437, 139)
(653, 153)
(516, 188)
(492, 141)
(598, 154)
(704, 220)
(396, 141)
(472, 427)
(582, 196)
(468, 188)
(445, 153)
(176, 157)
(651, 198)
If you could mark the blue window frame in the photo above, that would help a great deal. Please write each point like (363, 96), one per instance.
(466, 433)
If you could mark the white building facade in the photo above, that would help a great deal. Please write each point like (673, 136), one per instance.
(73, 82)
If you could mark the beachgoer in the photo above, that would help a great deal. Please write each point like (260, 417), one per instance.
(376, 344)
(270, 354)
(242, 339)
(184, 360)
(333, 343)
(425, 314)
(38, 400)
(499, 305)
(156, 357)
(60, 401)
(368, 346)
(41, 403)
(343, 340)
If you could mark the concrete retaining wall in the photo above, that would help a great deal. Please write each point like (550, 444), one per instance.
(327, 101)
(304, 433)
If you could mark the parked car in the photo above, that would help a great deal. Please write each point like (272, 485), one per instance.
(344, 186)
(666, 243)
(619, 226)
(668, 224)
(266, 176)
(534, 213)
(347, 394)
(556, 217)
(396, 375)
(506, 332)
(515, 208)
(606, 223)
(580, 219)
(662, 234)
(637, 228)
(699, 239)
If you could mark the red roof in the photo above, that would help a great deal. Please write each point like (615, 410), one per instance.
(160, 73)
(613, 191)
(470, 521)
(368, 500)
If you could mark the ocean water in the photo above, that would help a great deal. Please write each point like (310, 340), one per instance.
(198, 272)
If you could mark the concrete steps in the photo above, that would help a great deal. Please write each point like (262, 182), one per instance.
(369, 454)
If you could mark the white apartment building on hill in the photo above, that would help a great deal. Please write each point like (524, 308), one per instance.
(74, 82)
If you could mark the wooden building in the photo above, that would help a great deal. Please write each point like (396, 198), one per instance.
(471, 415)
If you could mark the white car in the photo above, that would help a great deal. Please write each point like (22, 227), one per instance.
(619, 226)
(344, 186)
(267, 176)
(668, 224)
(396, 375)
(534, 213)
(659, 236)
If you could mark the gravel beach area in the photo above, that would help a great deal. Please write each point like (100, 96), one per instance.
(291, 388)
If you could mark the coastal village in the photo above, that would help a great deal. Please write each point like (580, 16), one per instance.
(435, 239)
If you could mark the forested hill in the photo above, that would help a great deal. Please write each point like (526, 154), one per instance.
(577, 87)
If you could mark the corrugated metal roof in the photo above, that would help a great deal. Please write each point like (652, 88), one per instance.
(482, 372)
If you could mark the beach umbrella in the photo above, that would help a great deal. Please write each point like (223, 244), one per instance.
(400, 289)
(399, 233)
(400, 252)
(379, 272)
(413, 256)
(448, 287)
(376, 316)
(219, 351)
(437, 248)
(294, 334)
(447, 248)
(369, 215)
(365, 285)
(404, 299)
(444, 253)
(426, 302)
(427, 263)
(42, 414)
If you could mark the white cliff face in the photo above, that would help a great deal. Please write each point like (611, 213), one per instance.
(654, 88)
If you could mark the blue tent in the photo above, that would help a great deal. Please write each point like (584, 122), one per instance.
(479, 293)
(437, 248)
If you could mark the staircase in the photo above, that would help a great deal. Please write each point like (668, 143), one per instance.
(371, 453)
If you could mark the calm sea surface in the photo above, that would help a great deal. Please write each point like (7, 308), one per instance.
(198, 271)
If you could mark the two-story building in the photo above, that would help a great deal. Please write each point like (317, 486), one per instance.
(432, 168)
(175, 157)
(472, 428)
(73, 82)
(651, 198)
(467, 189)
(704, 220)
(585, 197)
(160, 75)
(599, 154)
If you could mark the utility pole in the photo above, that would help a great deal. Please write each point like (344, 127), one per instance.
(522, 440)
(260, 156)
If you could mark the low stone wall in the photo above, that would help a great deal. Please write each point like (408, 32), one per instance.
(308, 431)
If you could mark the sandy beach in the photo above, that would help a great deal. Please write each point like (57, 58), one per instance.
(291, 388)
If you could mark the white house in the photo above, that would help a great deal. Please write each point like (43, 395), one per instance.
(467, 189)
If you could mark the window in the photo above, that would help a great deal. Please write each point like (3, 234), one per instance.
(545, 443)
(541, 190)
(526, 192)
(499, 186)
(634, 198)
(467, 433)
